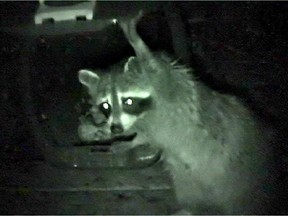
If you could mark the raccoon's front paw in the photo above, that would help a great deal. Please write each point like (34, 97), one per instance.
(140, 155)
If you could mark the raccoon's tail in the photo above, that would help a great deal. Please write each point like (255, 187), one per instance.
(129, 28)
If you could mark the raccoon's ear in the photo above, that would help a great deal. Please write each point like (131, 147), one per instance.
(132, 66)
(88, 77)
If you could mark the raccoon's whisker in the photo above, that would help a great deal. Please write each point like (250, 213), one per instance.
(175, 62)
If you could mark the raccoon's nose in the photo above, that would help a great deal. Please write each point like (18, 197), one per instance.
(116, 128)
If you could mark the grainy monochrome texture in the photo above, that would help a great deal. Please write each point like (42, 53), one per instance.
(216, 151)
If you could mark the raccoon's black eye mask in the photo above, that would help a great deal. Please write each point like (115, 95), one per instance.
(135, 106)
(105, 108)
(131, 105)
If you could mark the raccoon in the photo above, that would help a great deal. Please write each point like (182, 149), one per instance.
(214, 148)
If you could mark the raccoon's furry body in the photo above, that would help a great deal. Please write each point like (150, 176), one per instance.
(213, 147)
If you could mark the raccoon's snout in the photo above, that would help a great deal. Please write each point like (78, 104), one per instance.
(116, 128)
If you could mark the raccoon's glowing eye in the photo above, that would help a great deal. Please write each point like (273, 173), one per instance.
(128, 101)
(136, 106)
(105, 108)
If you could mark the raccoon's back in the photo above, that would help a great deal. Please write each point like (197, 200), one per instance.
(216, 150)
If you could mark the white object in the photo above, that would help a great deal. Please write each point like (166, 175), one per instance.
(83, 10)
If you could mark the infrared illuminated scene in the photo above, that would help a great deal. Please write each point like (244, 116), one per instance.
(143, 107)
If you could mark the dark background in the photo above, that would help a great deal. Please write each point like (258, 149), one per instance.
(236, 47)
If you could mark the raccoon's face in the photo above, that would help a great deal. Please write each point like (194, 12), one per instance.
(120, 101)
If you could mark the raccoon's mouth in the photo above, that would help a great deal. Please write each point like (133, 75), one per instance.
(108, 142)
